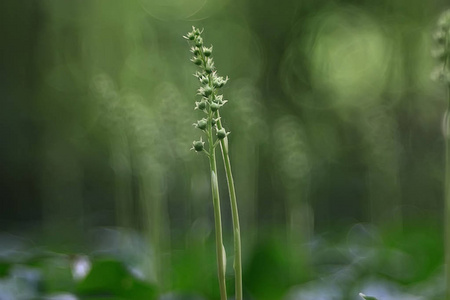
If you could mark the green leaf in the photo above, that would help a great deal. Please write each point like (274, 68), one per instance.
(110, 278)
(4, 269)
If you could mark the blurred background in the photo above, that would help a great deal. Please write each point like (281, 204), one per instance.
(336, 147)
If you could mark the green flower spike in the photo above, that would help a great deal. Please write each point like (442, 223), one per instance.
(441, 50)
(210, 104)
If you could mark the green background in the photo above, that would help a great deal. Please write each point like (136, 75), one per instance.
(336, 145)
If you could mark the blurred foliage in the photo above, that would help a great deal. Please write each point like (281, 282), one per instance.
(334, 121)
(388, 264)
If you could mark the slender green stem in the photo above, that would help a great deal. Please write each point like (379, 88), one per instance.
(217, 217)
(447, 180)
(235, 215)
(447, 194)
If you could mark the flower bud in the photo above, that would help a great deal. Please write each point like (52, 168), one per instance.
(219, 82)
(206, 91)
(198, 145)
(221, 133)
(196, 31)
(444, 20)
(201, 124)
(196, 61)
(439, 37)
(209, 66)
(204, 79)
(196, 51)
(189, 36)
(199, 41)
(207, 51)
(200, 105)
(219, 100)
(214, 106)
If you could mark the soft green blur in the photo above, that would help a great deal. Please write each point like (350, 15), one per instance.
(335, 134)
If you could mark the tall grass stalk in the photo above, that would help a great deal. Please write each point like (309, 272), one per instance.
(216, 134)
(442, 53)
(235, 215)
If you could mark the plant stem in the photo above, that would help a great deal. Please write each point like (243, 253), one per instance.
(447, 180)
(447, 195)
(235, 215)
(217, 216)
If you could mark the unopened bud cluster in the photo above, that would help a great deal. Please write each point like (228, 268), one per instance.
(210, 83)
(441, 50)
